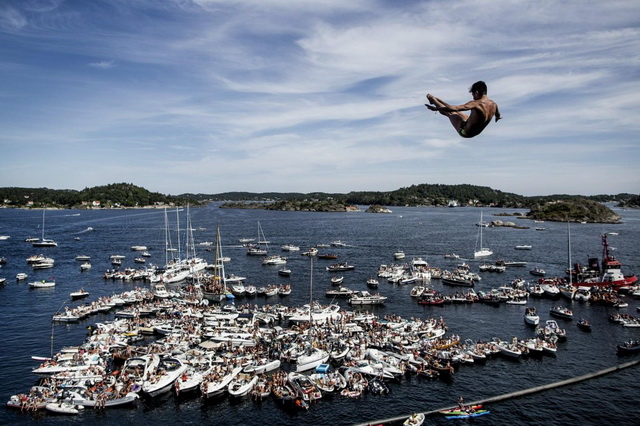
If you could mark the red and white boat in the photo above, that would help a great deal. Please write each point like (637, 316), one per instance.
(609, 275)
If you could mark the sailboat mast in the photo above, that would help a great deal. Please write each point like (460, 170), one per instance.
(166, 237)
(219, 263)
(481, 226)
(311, 291)
(178, 232)
(569, 252)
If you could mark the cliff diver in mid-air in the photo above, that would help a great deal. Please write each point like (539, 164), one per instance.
(482, 110)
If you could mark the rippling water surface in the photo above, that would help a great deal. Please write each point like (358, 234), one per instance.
(26, 328)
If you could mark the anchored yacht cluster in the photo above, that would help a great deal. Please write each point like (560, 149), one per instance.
(179, 343)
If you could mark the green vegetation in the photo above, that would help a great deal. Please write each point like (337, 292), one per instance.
(633, 201)
(125, 195)
(575, 210)
(116, 195)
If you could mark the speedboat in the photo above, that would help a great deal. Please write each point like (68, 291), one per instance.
(561, 312)
(416, 419)
(366, 298)
(241, 385)
(82, 293)
(218, 386)
(531, 316)
(311, 360)
(64, 407)
(169, 369)
(340, 292)
(629, 347)
(538, 272)
(336, 267)
(584, 325)
(43, 284)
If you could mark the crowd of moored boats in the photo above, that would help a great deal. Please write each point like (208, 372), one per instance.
(293, 355)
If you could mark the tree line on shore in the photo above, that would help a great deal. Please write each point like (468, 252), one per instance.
(127, 195)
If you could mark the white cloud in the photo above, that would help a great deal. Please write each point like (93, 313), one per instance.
(102, 64)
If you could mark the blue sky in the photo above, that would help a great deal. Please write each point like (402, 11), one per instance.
(325, 95)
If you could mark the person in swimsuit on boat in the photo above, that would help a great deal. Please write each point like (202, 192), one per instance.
(482, 110)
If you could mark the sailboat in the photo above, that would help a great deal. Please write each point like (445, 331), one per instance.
(216, 289)
(483, 251)
(44, 242)
(256, 249)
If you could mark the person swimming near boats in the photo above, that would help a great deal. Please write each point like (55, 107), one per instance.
(482, 110)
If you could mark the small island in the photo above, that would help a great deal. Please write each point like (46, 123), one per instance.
(574, 210)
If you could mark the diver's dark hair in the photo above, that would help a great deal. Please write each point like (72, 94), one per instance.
(479, 86)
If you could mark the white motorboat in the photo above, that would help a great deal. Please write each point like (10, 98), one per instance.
(531, 317)
(21, 276)
(336, 280)
(311, 360)
(418, 261)
(64, 407)
(417, 291)
(366, 298)
(398, 255)
(159, 291)
(340, 292)
(211, 388)
(523, 247)
(242, 384)
(416, 419)
(370, 368)
(274, 260)
(285, 272)
(290, 247)
(79, 294)
(337, 267)
(43, 284)
(509, 350)
(561, 312)
(85, 266)
(262, 366)
(66, 316)
(169, 369)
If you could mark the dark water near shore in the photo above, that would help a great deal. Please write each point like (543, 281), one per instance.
(25, 314)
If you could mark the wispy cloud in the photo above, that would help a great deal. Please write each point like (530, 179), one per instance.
(102, 65)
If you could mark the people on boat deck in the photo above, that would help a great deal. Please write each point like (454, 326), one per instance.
(482, 110)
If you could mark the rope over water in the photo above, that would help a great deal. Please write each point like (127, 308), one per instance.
(512, 395)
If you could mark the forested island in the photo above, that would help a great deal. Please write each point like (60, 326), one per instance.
(126, 195)
(117, 195)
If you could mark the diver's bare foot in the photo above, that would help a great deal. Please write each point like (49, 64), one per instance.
(431, 107)
(430, 98)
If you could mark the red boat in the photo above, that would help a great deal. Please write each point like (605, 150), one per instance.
(610, 275)
(431, 300)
